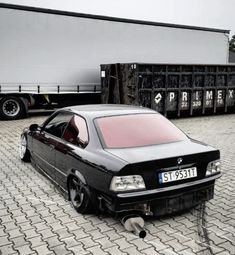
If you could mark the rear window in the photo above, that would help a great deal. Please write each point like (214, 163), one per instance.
(126, 131)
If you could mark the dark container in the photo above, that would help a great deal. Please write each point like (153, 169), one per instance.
(173, 90)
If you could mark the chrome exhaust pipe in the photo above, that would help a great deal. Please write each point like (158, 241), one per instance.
(135, 224)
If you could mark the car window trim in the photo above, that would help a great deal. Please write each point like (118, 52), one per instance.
(88, 134)
(51, 118)
(56, 138)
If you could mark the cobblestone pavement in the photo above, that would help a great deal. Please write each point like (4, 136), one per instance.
(36, 219)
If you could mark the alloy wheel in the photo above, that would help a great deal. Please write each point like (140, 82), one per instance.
(76, 192)
(23, 146)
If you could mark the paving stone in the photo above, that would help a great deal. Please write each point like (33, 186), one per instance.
(115, 250)
(24, 249)
(34, 217)
(182, 229)
(88, 226)
(36, 241)
(140, 244)
(105, 242)
(45, 233)
(63, 233)
(50, 219)
(150, 251)
(132, 250)
(228, 247)
(128, 235)
(71, 226)
(181, 238)
(4, 240)
(31, 233)
(70, 241)
(60, 249)
(10, 225)
(87, 242)
(6, 219)
(4, 212)
(65, 219)
(113, 235)
(168, 251)
(187, 251)
(217, 231)
(40, 226)
(194, 246)
(30, 213)
(168, 229)
(79, 250)
(7, 249)
(79, 233)
(103, 227)
(12, 207)
(14, 233)
(177, 246)
(97, 250)
(42, 249)
(16, 213)
(217, 239)
(53, 241)
(8, 200)
(223, 253)
(122, 243)
(21, 219)
(155, 242)
(25, 226)
(164, 237)
(19, 241)
(2, 231)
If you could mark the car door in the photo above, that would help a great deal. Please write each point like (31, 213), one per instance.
(46, 139)
(75, 137)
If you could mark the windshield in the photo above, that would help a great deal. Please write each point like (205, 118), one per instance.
(126, 131)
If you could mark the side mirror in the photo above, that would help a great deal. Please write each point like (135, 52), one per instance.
(34, 127)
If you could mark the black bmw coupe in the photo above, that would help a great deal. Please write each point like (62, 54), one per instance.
(121, 158)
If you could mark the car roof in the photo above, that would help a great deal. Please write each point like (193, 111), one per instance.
(103, 110)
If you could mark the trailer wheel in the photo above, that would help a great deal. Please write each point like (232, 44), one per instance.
(12, 108)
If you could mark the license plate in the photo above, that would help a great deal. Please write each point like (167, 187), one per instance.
(177, 175)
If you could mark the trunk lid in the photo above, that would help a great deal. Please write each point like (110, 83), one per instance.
(150, 161)
(161, 151)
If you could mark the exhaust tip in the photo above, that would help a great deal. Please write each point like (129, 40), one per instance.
(135, 224)
(142, 234)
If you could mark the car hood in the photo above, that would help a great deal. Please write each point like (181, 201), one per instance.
(161, 151)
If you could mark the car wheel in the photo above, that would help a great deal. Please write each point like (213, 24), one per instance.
(80, 195)
(12, 108)
(24, 152)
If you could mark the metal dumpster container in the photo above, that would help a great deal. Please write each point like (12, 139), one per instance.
(172, 89)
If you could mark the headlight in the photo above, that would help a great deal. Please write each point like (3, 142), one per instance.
(125, 183)
(213, 167)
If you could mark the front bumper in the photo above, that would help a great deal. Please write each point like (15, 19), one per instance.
(166, 200)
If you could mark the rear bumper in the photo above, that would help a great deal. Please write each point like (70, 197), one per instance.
(163, 201)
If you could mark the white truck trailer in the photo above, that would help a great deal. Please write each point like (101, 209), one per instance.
(50, 57)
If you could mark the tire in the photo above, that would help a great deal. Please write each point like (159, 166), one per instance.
(24, 152)
(12, 108)
(80, 195)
